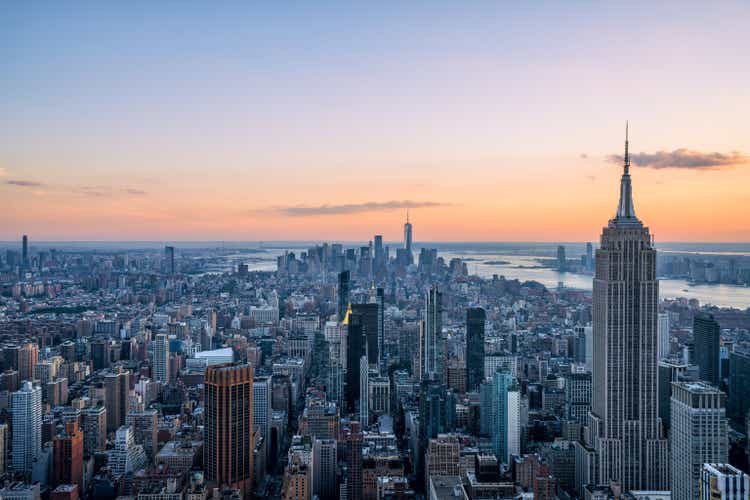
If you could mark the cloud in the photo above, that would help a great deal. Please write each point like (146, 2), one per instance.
(584, 156)
(133, 191)
(353, 208)
(685, 159)
(592, 178)
(25, 184)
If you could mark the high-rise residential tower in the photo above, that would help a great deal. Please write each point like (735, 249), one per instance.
(624, 427)
(161, 358)
(706, 338)
(169, 260)
(26, 408)
(475, 319)
(228, 446)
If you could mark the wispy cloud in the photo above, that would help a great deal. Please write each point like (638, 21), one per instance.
(24, 184)
(134, 192)
(352, 208)
(685, 159)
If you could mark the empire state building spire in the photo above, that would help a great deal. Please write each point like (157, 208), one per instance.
(625, 210)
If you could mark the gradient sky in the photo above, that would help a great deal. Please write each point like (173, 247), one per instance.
(324, 120)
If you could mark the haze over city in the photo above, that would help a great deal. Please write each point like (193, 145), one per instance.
(496, 122)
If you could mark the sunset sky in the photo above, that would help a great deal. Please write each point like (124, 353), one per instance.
(325, 120)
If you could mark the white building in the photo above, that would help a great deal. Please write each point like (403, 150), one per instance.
(698, 435)
(127, 456)
(723, 482)
(26, 405)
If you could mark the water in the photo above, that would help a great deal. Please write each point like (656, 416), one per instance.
(524, 268)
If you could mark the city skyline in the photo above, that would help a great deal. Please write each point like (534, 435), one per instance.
(210, 127)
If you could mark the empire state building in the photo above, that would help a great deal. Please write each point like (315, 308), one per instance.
(624, 430)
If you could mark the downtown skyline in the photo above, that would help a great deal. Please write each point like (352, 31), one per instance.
(245, 123)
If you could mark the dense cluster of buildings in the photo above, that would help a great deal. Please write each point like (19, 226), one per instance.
(367, 373)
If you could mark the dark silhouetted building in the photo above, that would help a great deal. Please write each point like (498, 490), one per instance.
(706, 340)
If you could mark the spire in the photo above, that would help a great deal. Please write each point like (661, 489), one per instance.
(625, 210)
(407, 215)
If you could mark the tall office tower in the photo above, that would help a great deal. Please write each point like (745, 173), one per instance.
(343, 293)
(589, 256)
(354, 462)
(145, 426)
(68, 456)
(169, 260)
(408, 239)
(380, 301)
(434, 345)
(706, 338)
(361, 341)
(94, 426)
(26, 407)
(475, 319)
(501, 415)
(698, 435)
(624, 426)
(161, 358)
(262, 411)
(663, 334)
(437, 407)
(116, 398)
(379, 262)
(25, 252)
(127, 457)
(228, 448)
(561, 260)
(379, 394)
(723, 482)
(739, 388)
(28, 357)
(364, 383)
(324, 469)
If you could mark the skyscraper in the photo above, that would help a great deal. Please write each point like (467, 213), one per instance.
(501, 415)
(324, 469)
(26, 407)
(262, 407)
(25, 252)
(434, 345)
(228, 447)
(68, 456)
(362, 340)
(408, 238)
(116, 398)
(739, 388)
(561, 260)
(379, 260)
(663, 335)
(354, 462)
(698, 435)
(161, 358)
(380, 301)
(169, 260)
(706, 339)
(475, 319)
(624, 427)
(343, 294)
